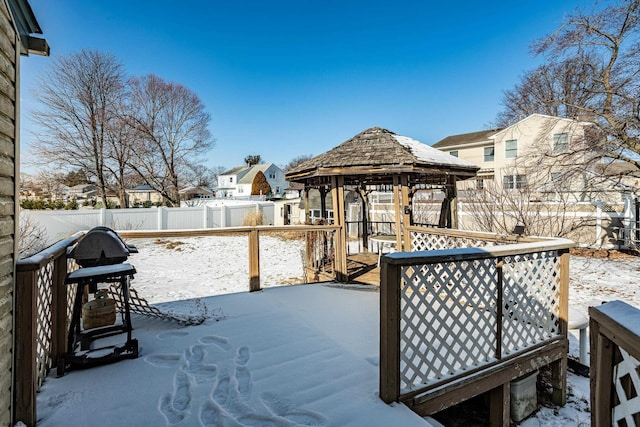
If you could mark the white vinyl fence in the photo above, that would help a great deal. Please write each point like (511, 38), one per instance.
(60, 224)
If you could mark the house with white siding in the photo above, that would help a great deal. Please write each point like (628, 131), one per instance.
(237, 182)
(541, 151)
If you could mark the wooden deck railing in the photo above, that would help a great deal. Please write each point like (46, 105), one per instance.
(43, 305)
(457, 320)
(42, 311)
(615, 364)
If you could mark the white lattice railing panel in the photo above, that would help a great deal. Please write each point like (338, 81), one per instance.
(626, 382)
(424, 241)
(531, 285)
(448, 319)
(43, 323)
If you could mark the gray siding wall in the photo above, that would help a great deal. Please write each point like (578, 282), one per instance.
(8, 168)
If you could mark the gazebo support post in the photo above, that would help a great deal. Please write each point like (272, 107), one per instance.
(453, 206)
(397, 202)
(337, 193)
(307, 213)
(323, 203)
(406, 215)
(364, 195)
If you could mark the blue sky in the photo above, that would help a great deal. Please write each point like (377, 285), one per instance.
(289, 78)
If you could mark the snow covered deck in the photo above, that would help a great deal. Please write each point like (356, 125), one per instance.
(296, 355)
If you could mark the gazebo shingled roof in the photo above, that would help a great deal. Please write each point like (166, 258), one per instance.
(379, 152)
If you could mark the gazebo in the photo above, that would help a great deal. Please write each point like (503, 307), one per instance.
(380, 160)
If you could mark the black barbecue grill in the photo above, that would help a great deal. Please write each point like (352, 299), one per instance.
(102, 254)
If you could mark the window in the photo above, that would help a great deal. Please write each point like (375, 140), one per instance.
(488, 154)
(511, 149)
(479, 184)
(453, 153)
(560, 143)
(272, 175)
(231, 179)
(511, 182)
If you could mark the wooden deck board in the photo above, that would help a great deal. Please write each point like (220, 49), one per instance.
(363, 268)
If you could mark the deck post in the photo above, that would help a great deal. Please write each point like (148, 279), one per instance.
(389, 332)
(254, 260)
(500, 405)
(601, 375)
(58, 309)
(559, 367)
(24, 358)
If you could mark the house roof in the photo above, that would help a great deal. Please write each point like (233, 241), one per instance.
(248, 177)
(465, 138)
(378, 151)
(27, 24)
(234, 171)
(195, 189)
(143, 188)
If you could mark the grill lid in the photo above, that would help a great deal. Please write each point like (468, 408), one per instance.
(101, 246)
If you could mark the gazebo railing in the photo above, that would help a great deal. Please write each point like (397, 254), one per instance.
(455, 313)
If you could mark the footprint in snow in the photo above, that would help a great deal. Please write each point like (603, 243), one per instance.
(221, 342)
(166, 408)
(286, 409)
(171, 334)
(195, 355)
(182, 393)
(163, 360)
(243, 356)
(203, 373)
(212, 416)
(243, 377)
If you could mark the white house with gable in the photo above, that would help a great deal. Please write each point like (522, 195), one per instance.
(237, 182)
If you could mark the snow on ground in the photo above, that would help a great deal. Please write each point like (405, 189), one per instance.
(286, 356)
(178, 269)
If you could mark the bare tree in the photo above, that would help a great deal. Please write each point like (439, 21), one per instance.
(555, 89)
(498, 209)
(77, 96)
(170, 129)
(253, 159)
(592, 71)
(297, 161)
(201, 176)
(48, 184)
(118, 147)
(32, 237)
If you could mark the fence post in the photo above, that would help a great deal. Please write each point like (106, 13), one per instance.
(389, 332)
(223, 216)
(254, 260)
(205, 216)
(103, 216)
(24, 357)
(160, 218)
